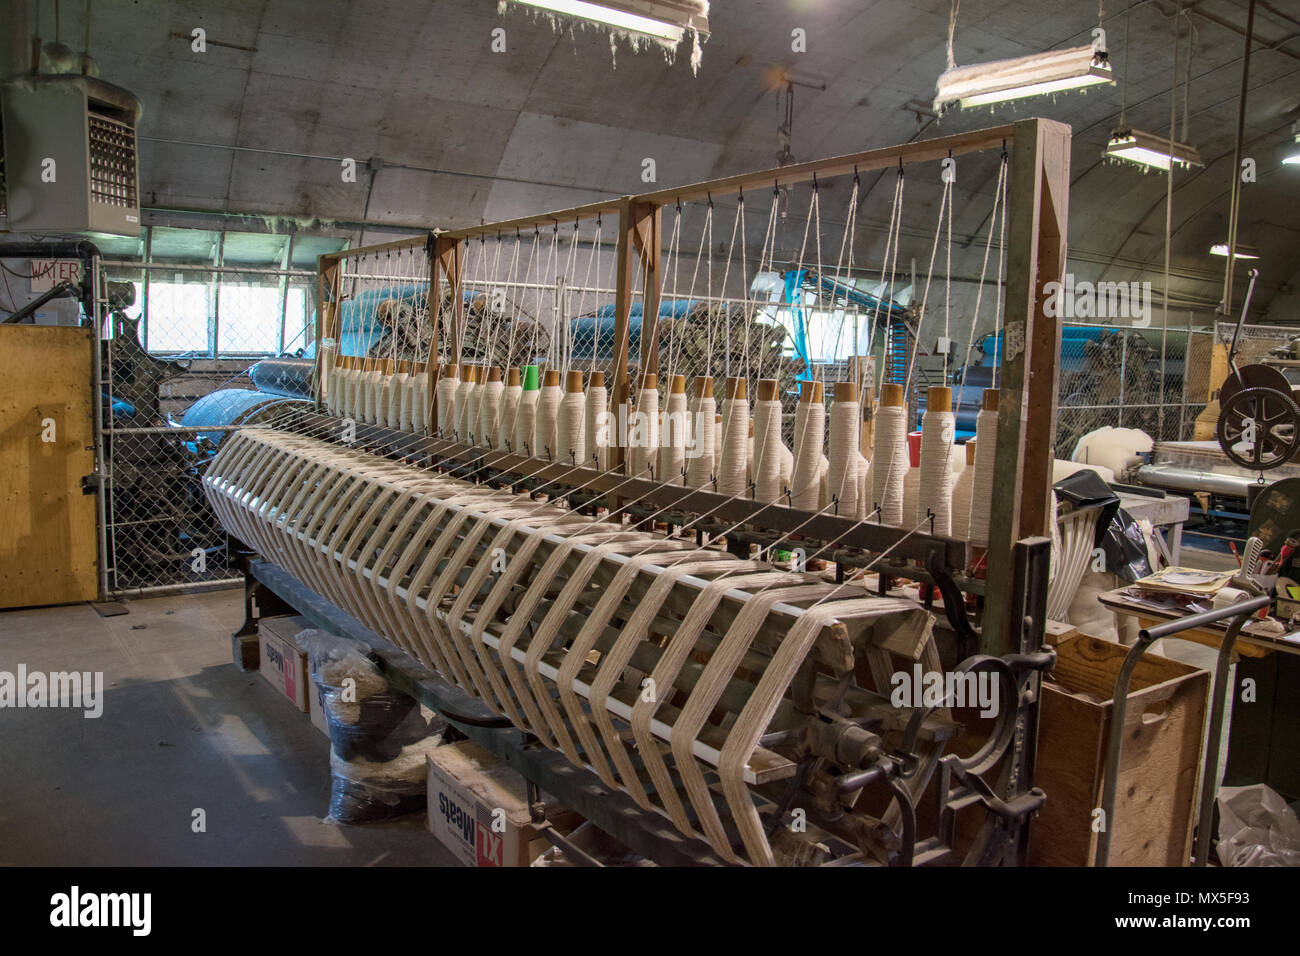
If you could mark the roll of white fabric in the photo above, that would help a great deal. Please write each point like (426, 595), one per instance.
(460, 428)
(396, 392)
(546, 425)
(489, 417)
(526, 422)
(596, 425)
(935, 490)
(448, 389)
(981, 499)
(843, 453)
(889, 465)
(961, 498)
(571, 428)
(735, 447)
(699, 463)
(643, 437)
(509, 411)
(672, 439)
(767, 450)
(809, 437)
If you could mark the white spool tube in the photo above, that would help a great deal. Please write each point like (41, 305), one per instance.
(571, 422)
(546, 425)
(448, 388)
(961, 495)
(809, 437)
(509, 412)
(734, 450)
(699, 457)
(889, 464)
(461, 405)
(673, 433)
(526, 421)
(596, 422)
(986, 450)
(767, 443)
(938, 430)
(643, 434)
(845, 426)
(490, 410)
(396, 392)
(419, 402)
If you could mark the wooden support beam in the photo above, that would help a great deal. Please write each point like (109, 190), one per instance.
(648, 229)
(1039, 211)
(447, 260)
(327, 318)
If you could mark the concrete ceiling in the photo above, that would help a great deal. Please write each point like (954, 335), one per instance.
(259, 122)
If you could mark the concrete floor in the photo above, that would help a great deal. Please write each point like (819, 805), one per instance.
(181, 729)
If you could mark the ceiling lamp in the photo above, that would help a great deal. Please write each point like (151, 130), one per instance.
(1149, 150)
(664, 20)
(1242, 251)
(1053, 72)
(1292, 157)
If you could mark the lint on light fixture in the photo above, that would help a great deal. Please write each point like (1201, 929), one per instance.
(1148, 149)
(1292, 157)
(664, 20)
(1242, 251)
(1056, 71)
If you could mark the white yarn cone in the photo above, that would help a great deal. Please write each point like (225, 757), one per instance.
(546, 441)
(596, 422)
(526, 422)
(767, 446)
(961, 494)
(643, 432)
(509, 411)
(809, 438)
(734, 457)
(448, 389)
(699, 459)
(889, 463)
(938, 429)
(673, 433)
(489, 416)
(986, 452)
(845, 425)
(396, 392)
(571, 425)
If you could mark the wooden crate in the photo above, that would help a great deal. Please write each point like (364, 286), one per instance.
(1159, 767)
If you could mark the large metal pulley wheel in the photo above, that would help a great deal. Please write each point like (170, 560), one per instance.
(1259, 428)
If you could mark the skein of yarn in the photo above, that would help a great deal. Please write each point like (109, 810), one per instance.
(938, 429)
(986, 451)
(596, 422)
(734, 457)
(571, 424)
(809, 436)
(643, 434)
(546, 427)
(846, 423)
(703, 408)
(489, 417)
(526, 418)
(767, 441)
(672, 433)
(509, 409)
(889, 461)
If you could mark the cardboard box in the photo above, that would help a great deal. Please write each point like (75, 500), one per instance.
(283, 662)
(478, 808)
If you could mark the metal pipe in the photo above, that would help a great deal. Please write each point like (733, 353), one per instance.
(1119, 708)
(1235, 199)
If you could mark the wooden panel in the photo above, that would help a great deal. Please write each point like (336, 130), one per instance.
(1159, 767)
(48, 552)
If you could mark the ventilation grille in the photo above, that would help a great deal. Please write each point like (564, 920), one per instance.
(112, 162)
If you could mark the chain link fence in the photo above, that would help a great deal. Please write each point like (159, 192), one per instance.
(184, 323)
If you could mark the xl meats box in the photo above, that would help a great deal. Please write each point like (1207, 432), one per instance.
(478, 808)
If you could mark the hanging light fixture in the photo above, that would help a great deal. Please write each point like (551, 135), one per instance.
(1243, 251)
(663, 20)
(1292, 157)
(1148, 149)
(1055, 71)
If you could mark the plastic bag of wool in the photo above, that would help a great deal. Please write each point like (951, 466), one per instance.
(379, 736)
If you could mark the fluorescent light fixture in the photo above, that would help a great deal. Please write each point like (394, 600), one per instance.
(1292, 158)
(1149, 150)
(1053, 72)
(1242, 251)
(666, 20)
